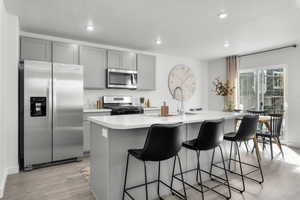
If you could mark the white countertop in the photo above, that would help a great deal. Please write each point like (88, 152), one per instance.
(146, 120)
(94, 110)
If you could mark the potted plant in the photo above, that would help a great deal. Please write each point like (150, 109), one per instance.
(224, 89)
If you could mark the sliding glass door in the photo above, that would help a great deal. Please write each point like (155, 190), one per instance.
(262, 89)
(248, 89)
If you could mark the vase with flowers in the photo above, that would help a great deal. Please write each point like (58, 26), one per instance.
(225, 90)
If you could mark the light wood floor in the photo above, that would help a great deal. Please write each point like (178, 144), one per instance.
(64, 182)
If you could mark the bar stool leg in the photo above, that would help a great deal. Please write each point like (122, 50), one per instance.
(183, 184)
(158, 180)
(229, 161)
(264, 143)
(259, 165)
(198, 169)
(126, 171)
(246, 145)
(212, 162)
(146, 185)
(271, 147)
(226, 175)
(241, 168)
(173, 171)
(182, 179)
(279, 145)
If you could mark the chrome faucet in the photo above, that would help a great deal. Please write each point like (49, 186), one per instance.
(181, 110)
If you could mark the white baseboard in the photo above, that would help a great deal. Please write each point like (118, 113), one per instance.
(12, 170)
(2, 184)
(7, 171)
(291, 144)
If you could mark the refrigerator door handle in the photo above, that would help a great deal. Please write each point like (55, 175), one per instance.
(50, 110)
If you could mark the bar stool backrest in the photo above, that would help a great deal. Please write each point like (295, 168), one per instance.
(211, 134)
(276, 124)
(247, 129)
(163, 142)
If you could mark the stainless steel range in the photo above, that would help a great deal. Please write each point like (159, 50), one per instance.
(121, 105)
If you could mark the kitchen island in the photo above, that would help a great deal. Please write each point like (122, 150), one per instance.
(112, 136)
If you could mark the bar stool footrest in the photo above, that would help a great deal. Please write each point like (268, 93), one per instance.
(245, 175)
(207, 187)
(174, 192)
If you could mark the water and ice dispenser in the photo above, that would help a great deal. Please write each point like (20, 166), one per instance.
(38, 106)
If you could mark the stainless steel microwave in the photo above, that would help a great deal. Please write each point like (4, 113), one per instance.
(118, 78)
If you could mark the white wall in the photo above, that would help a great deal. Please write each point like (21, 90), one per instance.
(9, 33)
(11, 55)
(216, 69)
(2, 136)
(164, 64)
(289, 57)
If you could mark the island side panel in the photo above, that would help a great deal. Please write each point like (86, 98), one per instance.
(99, 162)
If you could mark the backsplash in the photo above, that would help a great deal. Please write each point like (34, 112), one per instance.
(91, 96)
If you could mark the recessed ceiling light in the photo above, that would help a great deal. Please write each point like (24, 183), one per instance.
(226, 44)
(223, 15)
(158, 41)
(90, 28)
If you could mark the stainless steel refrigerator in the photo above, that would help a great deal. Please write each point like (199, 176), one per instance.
(50, 105)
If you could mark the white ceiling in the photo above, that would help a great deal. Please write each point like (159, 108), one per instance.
(188, 28)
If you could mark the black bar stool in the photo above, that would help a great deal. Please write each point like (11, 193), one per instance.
(246, 132)
(163, 142)
(210, 137)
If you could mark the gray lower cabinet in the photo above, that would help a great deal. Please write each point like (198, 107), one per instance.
(86, 128)
(146, 66)
(65, 53)
(35, 49)
(121, 60)
(94, 62)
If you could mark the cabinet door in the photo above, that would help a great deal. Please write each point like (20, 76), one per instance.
(129, 60)
(93, 61)
(35, 49)
(114, 59)
(146, 65)
(65, 53)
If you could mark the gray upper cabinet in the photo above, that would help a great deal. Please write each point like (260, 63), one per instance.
(146, 65)
(94, 62)
(114, 59)
(65, 53)
(121, 60)
(129, 60)
(35, 49)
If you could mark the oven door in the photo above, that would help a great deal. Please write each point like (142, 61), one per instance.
(117, 78)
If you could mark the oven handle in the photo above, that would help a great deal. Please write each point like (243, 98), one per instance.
(122, 71)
